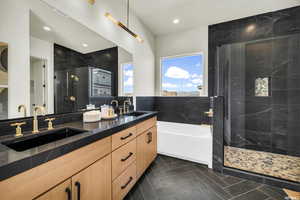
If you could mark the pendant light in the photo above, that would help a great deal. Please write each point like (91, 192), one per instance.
(91, 1)
(123, 26)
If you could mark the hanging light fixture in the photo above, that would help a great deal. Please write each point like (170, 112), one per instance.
(123, 26)
(91, 1)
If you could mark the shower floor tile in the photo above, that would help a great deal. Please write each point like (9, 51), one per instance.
(271, 164)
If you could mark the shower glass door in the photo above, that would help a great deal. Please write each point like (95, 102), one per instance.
(261, 85)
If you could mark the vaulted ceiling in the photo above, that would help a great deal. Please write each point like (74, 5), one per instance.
(158, 15)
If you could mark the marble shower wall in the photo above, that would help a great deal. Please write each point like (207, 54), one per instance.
(264, 123)
(276, 117)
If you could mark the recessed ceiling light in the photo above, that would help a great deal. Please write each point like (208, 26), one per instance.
(85, 45)
(251, 28)
(176, 21)
(46, 28)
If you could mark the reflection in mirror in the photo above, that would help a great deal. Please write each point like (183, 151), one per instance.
(70, 67)
(126, 73)
(3, 80)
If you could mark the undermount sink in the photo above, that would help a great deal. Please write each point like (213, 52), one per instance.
(135, 114)
(42, 138)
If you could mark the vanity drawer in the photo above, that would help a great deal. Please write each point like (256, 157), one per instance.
(122, 158)
(123, 137)
(144, 126)
(122, 185)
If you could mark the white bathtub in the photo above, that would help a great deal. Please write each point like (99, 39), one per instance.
(185, 141)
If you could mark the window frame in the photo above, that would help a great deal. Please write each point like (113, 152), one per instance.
(205, 72)
(122, 78)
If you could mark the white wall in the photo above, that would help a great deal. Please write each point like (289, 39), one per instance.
(190, 41)
(14, 26)
(45, 50)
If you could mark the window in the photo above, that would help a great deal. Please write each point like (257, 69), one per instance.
(127, 81)
(183, 75)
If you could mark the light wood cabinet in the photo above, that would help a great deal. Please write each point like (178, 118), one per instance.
(146, 149)
(93, 183)
(123, 137)
(122, 158)
(145, 125)
(104, 170)
(60, 192)
(46, 176)
(123, 184)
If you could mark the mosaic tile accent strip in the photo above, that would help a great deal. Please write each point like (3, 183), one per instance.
(271, 164)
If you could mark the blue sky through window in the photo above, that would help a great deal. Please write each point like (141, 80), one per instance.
(128, 79)
(182, 74)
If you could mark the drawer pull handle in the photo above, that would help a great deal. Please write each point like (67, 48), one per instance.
(124, 159)
(128, 136)
(77, 184)
(149, 137)
(124, 186)
(68, 191)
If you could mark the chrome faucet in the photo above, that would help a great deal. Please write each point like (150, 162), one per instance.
(20, 107)
(35, 120)
(129, 103)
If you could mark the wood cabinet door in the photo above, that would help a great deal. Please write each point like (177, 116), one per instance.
(93, 183)
(146, 149)
(60, 192)
(141, 152)
(152, 145)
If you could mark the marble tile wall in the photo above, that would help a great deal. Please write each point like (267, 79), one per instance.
(69, 60)
(188, 110)
(272, 118)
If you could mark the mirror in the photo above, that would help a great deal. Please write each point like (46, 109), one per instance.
(3, 80)
(70, 67)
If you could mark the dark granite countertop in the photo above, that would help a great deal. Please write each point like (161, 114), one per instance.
(13, 162)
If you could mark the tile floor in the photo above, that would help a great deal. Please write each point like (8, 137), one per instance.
(173, 179)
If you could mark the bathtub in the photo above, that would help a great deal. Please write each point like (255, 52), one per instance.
(185, 141)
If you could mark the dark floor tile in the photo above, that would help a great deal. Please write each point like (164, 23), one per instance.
(231, 180)
(252, 195)
(134, 194)
(241, 187)
(212, 185)
(275, 193)
(147, 189)
(174, 179)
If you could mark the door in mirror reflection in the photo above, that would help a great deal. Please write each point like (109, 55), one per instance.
(3, 80)
(38, 82)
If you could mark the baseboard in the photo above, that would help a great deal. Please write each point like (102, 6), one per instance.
(185, 158)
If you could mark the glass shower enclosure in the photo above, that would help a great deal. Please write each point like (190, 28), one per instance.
(260, 81)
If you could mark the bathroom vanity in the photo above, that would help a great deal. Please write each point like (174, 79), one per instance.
(104, 162)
